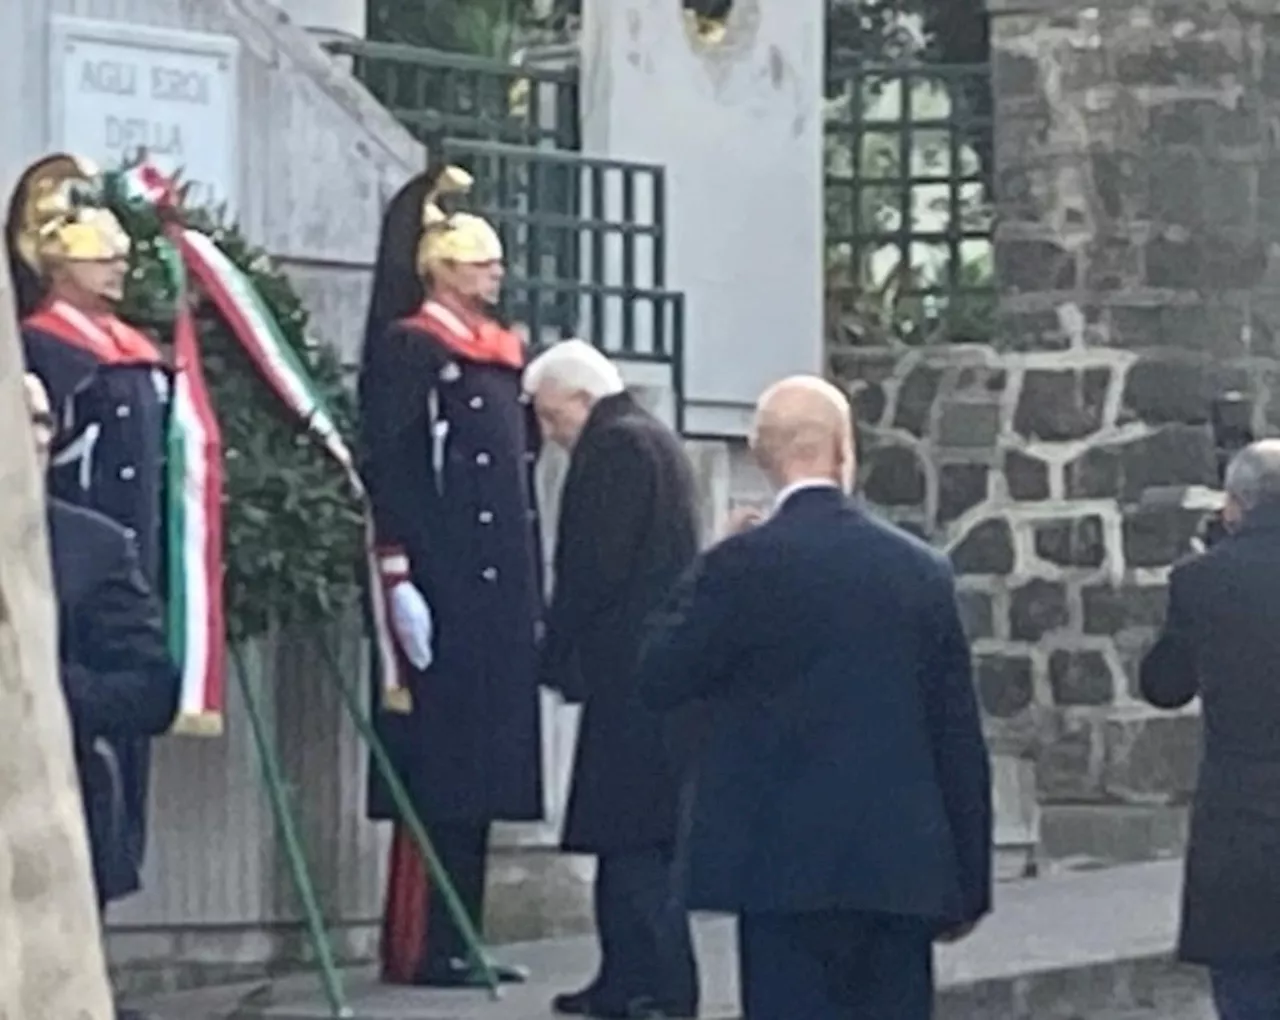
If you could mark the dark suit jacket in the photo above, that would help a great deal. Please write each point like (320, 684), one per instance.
(627, 531)
(845, 768)
(117, 675)
(1221, 641)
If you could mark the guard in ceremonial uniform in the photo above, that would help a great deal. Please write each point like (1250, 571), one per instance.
(107, 383)
(448, 457)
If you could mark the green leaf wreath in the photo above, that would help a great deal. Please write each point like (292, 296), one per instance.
(293, 529)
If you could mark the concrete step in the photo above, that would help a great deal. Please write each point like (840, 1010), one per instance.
(1088, 946)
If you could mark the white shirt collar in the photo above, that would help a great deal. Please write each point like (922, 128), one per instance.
(798, 486)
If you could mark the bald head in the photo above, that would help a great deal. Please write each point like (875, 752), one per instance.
(804, 429)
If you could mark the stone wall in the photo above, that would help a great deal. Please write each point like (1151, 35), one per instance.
(1136, 172)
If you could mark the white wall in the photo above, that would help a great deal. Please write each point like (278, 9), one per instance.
(739, 129)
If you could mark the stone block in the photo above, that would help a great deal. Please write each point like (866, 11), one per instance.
(1151, 759)
(1027, 477)
(1068, 766)
(1207, 124)
(1201, 58)
(1188, 190)
(1071, 542)
(1114, 609)
(1120, 184)
(1030, 331)
(977, 613)
(538, 894)
(969, 426)
(961, 487)
(1061, 404)
(1170, 388)
(893, 476)
(1027, 267)
(869, 403)
(1004, 684)
(1112, 264)
(1080, 678)
(1014, 75)
(1172, 455)
(1213, 261)
(1159, 536)
(1037, 608)
(987, 548)
(1112, 834)
(916, 396)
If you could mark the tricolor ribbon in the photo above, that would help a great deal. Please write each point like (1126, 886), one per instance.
(254, 327)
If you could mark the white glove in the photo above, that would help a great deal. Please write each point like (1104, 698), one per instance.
(411, 621)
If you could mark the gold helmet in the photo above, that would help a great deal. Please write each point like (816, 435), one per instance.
(457, 237)
(57, 215)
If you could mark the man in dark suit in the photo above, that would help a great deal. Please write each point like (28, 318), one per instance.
(1221, 641)
(117, 675)
(842, 802)
(627, 531)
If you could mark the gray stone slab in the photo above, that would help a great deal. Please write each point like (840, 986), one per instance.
(1097, 943)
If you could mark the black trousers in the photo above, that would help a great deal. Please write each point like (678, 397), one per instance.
(463, 850)
(646, 949)
(836, 965)
(420, 936)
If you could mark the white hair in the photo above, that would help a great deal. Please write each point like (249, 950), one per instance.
(1253, 476)
(576, 366)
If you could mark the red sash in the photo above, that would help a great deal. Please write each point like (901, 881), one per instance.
(107, 337)
(470, 336)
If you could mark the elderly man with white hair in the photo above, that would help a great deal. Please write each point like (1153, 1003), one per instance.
(627, 530)
(1221, 642)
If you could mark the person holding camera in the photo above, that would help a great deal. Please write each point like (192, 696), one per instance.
(1221, 642)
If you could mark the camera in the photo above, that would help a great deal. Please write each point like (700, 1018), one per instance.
(1231, 418)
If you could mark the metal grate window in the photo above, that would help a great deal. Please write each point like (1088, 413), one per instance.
(434, 93)
(909, 217)
(585, 244)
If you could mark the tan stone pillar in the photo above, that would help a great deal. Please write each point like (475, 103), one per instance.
(51, 965)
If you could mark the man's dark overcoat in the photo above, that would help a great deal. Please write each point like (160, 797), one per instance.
(627, 531)
(448, 455)
(1221, 641)
(844, 766)
(112, 405)
(117, 675)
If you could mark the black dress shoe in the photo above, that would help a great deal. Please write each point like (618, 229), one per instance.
(459, 973)
(573, 1003)
(588, 1003)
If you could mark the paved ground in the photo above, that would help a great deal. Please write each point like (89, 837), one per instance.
(1090, 946)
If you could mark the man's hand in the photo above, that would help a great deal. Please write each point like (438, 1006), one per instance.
(742, 519)
(958, 933)
(411, 621)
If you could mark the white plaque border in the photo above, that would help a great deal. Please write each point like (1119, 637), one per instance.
(66, 30)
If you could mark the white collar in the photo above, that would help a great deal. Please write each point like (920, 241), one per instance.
(798, 486)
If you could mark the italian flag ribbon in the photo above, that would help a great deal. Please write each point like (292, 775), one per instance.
(251, 322)
(193, 495)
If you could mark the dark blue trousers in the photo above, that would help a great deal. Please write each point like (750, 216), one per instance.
(1248, 990)
(646, 948)
(835, 965)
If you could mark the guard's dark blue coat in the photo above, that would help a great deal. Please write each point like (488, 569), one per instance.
(118, 678)
(628, 529)
(112, 412)
(844, 767)
(448, 462)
